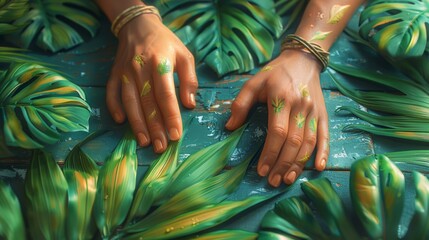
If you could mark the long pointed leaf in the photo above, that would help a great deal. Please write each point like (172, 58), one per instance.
(11, 220)
(227, 235)
(46, 197)
(115, 186)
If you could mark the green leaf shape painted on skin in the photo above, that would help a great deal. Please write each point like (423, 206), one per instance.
(36, 102)
(227, 235)
(377, 189)
(198, 220)
(45, 197)
(228, 35)
(154, 182)
(81, 173)
(203, 164)
(115, 186)
(398, 28)
(419, 225)
(11, 10)
(209, 191)
(56, 25)
(377, 193)
(11, 220)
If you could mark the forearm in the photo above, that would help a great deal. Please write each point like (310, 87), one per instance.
(320, 24)
(112, 8)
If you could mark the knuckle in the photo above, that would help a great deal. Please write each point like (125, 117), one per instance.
(237, 105)
(294, 140)
(278, 130)
(311, 140)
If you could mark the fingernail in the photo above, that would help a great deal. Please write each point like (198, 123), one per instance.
(142, 139)
(230, 122)
(174, 134)
(264, 170)
(117, 117)
(323, 163)
(158, 145)
(192, 98)
(276, 180)
(291, 177)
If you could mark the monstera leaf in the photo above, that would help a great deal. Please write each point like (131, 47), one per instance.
(227, 35)
(377, 189)
(36, 103)
(397, 27)
(57, 24)
(11, 10)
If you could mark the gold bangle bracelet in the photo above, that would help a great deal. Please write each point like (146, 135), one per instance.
(130, 13)
(293, 41)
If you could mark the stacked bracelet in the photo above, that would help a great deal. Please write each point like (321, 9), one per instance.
(293, 41)
(130, 13)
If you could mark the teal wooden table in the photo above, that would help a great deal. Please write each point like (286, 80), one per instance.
(89, 65)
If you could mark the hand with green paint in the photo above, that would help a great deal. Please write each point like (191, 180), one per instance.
(141, 84)
(290, 86)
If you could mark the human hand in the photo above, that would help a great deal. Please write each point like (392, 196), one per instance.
(141, 84)
(297, 117)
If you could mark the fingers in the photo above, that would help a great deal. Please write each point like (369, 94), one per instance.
(322, 143)
(165, 95)
(245, 99)
(185, 66)
(131, 102)
(113, 98)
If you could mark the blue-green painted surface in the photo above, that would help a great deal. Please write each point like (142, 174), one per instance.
(89, 64)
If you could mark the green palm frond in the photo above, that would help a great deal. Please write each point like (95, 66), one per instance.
(227, 235)
(46, 197)
(227, 35)
(36, 103)
(402, 113)
(11, 220)
(377, 189)
(55, 25)
(11, 10)
(398, 28)
(81, 173)
(415, 157)
(115, 186)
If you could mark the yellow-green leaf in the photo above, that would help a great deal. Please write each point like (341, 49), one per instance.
(11, 220)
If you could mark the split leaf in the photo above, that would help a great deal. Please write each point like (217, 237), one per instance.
(45, 197)
(11, 220)
(227, 35)
(57, 24)
(11, 10)
(115, 186)
(36, 102)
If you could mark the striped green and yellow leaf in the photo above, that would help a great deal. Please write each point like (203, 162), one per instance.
(227, 35)
(56, 25)
(115, 186)
(11, 219)
(36, 103)
(377, 195)
(10, 11)
(81, 173)
(227, 235)
(398, 28)
(45, 198)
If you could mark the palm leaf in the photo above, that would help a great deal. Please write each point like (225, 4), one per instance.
(203, 164)
(227, 35)
(290, 10)
(46, 197)
(377, 189)
(210, 191)
(36, 103)
(11, 55)
(227, 235)
(195, 221)
(11, 10)
(115, 186)
(81, 173)
(416, 157)
(11, 220)
(155, 181)
(397, 27)
(57, 24)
